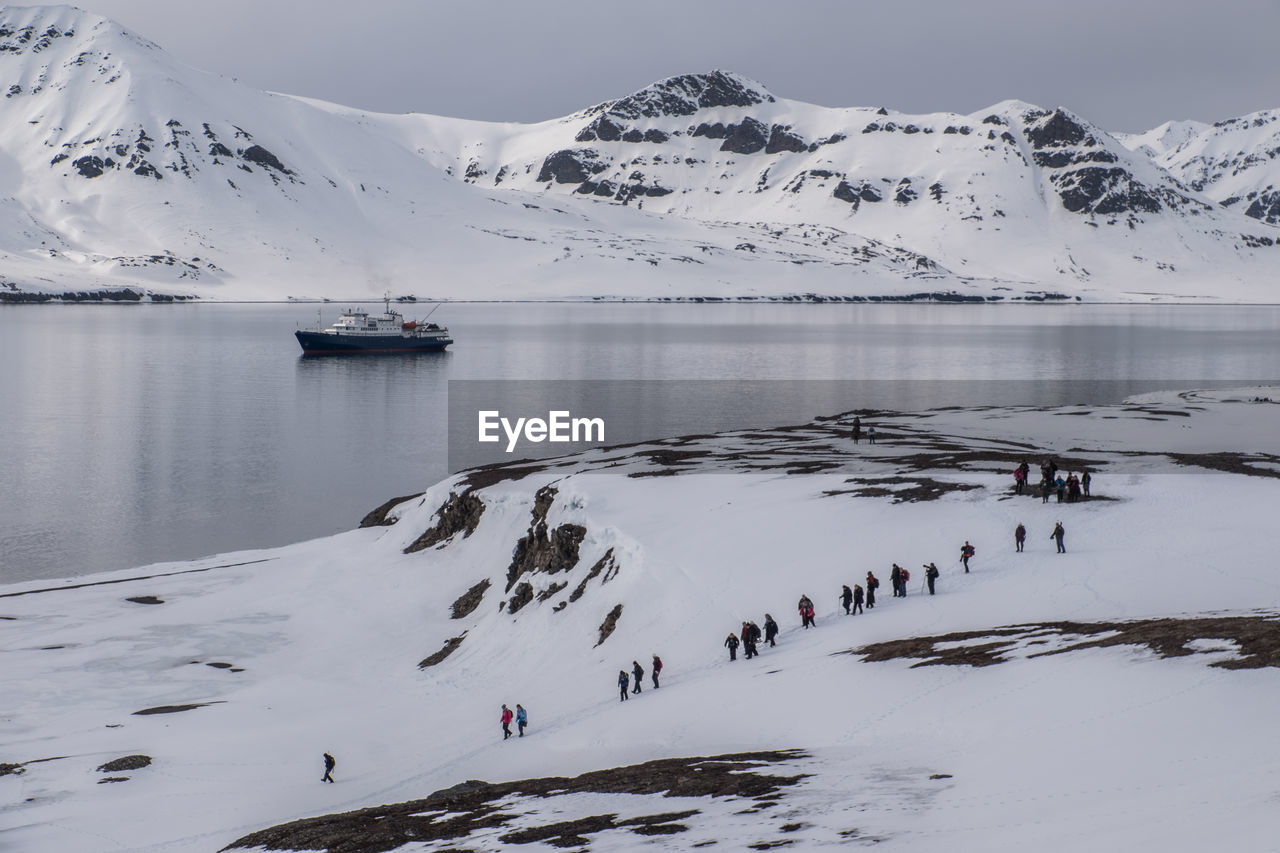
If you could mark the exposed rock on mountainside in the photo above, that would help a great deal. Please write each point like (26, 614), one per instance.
(700, 186)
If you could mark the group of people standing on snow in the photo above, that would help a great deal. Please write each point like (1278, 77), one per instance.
(751, 633)
(624, 678)
(1069, 489)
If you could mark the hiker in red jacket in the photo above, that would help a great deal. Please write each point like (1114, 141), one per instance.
(966, 551)
(506, 722)
(872, 583)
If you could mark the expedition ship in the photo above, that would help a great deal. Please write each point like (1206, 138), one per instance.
(358, 332)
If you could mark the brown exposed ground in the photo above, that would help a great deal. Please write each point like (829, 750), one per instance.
(454, 813)
(1256, 639)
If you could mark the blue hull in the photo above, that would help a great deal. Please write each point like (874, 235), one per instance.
(318, 343)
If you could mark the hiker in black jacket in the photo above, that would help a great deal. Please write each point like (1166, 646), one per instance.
(1019, 537)
(895, 580)
(873, 583)
(857, 599)
(930, 575)
(770, 629)
(731, 643)
(846, 598)
(329, 764)
(966, 551)
(1058, 533)
(638, 670)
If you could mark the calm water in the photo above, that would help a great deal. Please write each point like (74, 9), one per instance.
(134, 434)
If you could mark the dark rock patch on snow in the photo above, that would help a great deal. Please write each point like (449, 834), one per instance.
(460, 513)
(128, 762)
(543, 551)
(455, 813)
(450, 645)
(610, 622)
(172, 709)
(145, 599)
(379, 518)
(470, 600)
(1256, 641)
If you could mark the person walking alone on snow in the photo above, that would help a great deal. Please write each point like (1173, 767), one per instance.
(329, 764)
(966, 551)
(930, 575)
(1058, 533)
(1019, 537)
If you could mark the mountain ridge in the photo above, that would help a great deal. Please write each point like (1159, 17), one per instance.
(121, 167)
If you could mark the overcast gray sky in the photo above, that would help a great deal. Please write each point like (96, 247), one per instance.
(1125, 64)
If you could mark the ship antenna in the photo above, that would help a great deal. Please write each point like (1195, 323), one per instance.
(432, 311)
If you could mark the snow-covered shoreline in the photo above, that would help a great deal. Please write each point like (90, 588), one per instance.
(285, 653)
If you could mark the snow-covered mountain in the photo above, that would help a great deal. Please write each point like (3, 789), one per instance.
(121, 166)
(1233, 162)
(1119, 696)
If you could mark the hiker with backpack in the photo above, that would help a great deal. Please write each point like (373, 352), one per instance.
(623, 681)
(846, 598)
(639, 673)
(329, 763)
(1019, 537)
(873, 583)
(966, 551)
(730, 643)
(770, 629)
(748, 644)
(904, 577)
(930, 575)
(1019, 479)
(655, 669)
(1058, 533)
(506, 722)
(857, 599)
(522, 718)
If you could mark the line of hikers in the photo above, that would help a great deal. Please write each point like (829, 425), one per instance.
(1020, 537)
(1070, 489)
(624, 678)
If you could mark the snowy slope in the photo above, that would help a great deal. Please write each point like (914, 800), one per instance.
(1232, 162)
(317, 647)
(120, 166)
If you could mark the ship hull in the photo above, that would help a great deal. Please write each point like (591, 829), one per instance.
(320, 343)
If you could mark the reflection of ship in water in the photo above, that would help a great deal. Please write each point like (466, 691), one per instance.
(358, 332)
